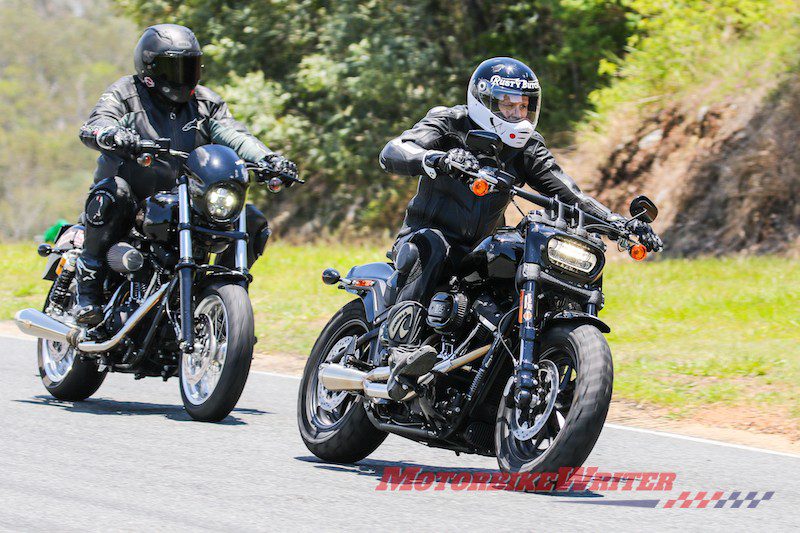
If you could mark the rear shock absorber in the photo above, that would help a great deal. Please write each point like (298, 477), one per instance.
(60, 294)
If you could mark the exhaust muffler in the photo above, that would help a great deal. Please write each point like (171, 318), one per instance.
(38, 324)
(341, 378)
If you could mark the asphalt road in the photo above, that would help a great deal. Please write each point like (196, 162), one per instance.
(130, 459)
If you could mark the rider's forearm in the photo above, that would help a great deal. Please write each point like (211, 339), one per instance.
(238, 139)
(404, 158)
(555, 182)
(109, 112)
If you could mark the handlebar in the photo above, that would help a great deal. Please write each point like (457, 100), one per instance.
(147, 150)
(490, 179)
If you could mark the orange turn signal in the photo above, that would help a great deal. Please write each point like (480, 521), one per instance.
(480, 187)
(364, 282)
(638, 252)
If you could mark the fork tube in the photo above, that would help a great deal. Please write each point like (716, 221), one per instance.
(241, 244)
(185, 267)
(526, 369)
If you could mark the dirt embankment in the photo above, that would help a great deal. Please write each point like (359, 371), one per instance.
(726, 176)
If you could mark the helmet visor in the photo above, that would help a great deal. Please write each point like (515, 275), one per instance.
(511, 105)
(178, 70)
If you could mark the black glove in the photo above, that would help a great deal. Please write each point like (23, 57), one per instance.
(119, 140)
(646, 235)
(282, 167)
(443, 162)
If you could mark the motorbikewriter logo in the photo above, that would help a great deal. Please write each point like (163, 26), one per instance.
(580, 482)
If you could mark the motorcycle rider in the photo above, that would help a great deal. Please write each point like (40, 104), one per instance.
(162, 99)
(445, 220)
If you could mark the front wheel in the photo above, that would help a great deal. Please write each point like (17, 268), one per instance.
(561, 428)
(212, 378)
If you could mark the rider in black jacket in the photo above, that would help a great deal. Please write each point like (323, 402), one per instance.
(162, 99)
(445, 220)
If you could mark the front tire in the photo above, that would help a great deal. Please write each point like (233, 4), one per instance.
(574, 421)
(335, 427)
(213, 378)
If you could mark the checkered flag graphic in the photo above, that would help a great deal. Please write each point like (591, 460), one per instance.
(717, 500)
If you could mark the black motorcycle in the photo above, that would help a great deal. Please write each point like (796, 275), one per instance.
(171, 310)
(523, 371)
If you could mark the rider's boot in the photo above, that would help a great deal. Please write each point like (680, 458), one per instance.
(89, 274)
(408, 359)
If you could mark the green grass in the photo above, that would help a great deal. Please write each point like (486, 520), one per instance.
(684, 333)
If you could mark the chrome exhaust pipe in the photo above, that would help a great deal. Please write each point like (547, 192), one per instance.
(38, 324)
(336, 377)
(341, 378)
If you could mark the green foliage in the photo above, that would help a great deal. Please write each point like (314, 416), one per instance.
(342, 78)
(56, 57)
(732, 45)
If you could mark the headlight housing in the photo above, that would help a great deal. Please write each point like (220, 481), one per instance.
(223, 202)
(571, 255)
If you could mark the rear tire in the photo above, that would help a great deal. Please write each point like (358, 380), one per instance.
(81, 380)
(573, 427)
(351, 437)
(230, 376)
(64, 374)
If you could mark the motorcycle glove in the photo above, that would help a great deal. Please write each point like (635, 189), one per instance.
(281, 166)
(119, 140)
(646, 235)
(449, 163)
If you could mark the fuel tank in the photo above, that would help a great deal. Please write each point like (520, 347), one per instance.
(496, 257)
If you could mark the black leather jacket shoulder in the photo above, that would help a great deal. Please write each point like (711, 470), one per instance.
(446, 203)
(204, 119)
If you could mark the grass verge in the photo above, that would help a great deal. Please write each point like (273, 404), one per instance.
(686, 335)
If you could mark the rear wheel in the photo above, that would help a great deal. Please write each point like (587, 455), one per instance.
(334, 425)
(213, 377)
(576, 376)
(64, 373)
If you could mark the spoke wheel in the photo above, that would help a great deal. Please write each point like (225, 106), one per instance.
(64, 374)
(213, 376)
(202, 369)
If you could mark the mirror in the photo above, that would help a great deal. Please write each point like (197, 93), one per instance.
(484, 142)
(330, 276)
(643, 208)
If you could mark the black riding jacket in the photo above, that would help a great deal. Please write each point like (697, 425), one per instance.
(447, 204)
(203, 120)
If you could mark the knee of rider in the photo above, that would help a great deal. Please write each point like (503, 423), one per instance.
(110, 199)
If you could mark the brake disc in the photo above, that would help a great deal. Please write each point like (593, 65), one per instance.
(521, 427)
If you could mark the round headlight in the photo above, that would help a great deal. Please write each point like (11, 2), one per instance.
(223, 203)
(570, 255)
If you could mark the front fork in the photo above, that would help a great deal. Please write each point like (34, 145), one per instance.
(185, 267)
(526, 369)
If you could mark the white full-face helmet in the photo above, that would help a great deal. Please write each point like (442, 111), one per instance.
(504, 96)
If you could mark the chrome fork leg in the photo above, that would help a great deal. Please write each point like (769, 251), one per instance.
(186, 267)
(241, 244)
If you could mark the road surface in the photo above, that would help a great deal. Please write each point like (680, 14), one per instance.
(131, 459)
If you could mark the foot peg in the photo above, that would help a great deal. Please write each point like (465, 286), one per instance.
(408, 364)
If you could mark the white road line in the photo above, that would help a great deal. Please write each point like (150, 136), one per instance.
(701, 440)
(612, 426)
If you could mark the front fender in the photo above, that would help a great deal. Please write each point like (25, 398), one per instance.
(577, 317)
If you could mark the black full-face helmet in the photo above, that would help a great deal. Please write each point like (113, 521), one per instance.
(169, 61)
